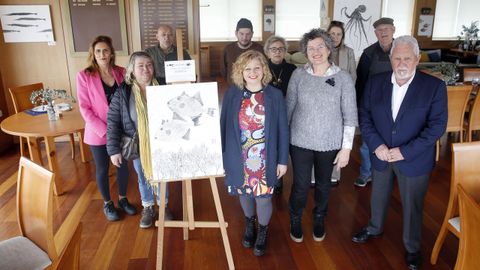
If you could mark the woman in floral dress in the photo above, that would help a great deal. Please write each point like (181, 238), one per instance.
(255, 143)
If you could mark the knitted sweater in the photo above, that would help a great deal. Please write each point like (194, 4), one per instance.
(319, 108)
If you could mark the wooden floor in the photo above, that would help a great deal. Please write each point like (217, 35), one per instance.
(123, 245)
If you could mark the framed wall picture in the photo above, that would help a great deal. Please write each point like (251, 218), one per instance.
(26, 23)
(184, 131)
(358, 17)
(89, 19)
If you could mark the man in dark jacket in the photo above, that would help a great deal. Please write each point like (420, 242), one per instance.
(375, 59)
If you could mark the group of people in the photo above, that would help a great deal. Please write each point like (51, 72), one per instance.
(274, 110)
(112, 101)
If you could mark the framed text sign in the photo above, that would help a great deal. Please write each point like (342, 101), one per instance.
(91, 18)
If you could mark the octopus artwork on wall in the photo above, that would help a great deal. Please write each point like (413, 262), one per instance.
(358, 17)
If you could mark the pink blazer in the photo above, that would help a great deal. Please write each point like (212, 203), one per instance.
(93, 104)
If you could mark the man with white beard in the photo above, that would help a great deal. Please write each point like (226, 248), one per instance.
(402, 114)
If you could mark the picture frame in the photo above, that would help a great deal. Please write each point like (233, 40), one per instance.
(105, 18)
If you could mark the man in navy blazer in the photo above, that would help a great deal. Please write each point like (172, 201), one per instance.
(402, 115)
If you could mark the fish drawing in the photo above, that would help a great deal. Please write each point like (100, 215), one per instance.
(20, 14)
(22, 25)
(186, 107)
(10, 31)
(173, 130)
(30, 19)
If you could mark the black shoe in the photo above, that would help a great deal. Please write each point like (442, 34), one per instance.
(296, 229)
(110, 211)
(318, 228)
(148, 216)
(334, 182)
(363, 236)
(250, 232)
(127, 207)
(413, 260)
(261, 242)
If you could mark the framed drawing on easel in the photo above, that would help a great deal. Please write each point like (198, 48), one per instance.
(184, 130)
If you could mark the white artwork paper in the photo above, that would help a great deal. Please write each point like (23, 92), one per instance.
(184, 129)
(358, 17)
(269, 23)
(26, 23)
(180, 71)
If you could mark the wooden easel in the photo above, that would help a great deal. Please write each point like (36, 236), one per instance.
(188, 222)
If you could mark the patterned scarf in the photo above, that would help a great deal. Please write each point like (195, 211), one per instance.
(142, 129)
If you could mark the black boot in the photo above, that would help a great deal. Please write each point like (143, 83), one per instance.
(318, 227)
(261, 242)
(250, 232)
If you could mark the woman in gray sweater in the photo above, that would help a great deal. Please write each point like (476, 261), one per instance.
(322, 114)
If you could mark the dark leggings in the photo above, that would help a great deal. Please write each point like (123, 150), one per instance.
(102, 162)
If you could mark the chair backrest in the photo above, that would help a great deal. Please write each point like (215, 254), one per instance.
(474, 114)
(35, 205)
(470, 73)
(21, 96)
(465, 171)
(469, 247)
(457, 102)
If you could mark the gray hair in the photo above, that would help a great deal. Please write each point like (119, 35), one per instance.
(318, 33)
(129, 77)
(273, 39)
(406, 40)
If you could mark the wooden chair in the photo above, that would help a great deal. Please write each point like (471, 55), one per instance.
(470, 73)
(473, 118)
(465, 171)
(457, 102)
(35, 248)
(21, 102)
(469, 248)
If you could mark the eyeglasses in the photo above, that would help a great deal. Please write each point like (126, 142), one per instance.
(275, 49)
(316, 49)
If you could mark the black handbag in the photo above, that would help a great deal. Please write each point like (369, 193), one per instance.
(130, 147)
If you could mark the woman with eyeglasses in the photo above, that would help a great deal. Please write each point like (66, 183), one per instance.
(344, 58)
(275, 49)
(322, 114)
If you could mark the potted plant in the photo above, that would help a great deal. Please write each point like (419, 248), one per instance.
(469, 35)
(47, 97)
(449, 72)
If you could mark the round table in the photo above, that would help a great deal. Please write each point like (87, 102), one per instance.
(34, 126)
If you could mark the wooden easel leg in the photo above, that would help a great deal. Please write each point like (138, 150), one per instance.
(161, 224)
(184, 207)
(191, 218)
(221, 221)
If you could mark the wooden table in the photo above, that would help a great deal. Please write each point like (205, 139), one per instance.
(31, 127)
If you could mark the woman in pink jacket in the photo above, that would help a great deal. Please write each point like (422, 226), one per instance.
(95, 87)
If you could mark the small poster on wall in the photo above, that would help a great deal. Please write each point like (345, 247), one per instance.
(26, 23)
(184, 130)
(425, 26)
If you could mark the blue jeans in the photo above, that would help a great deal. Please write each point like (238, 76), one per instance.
(146, 191)
(365, 163)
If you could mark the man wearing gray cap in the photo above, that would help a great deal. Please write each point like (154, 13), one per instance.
(244, 33)
(374, 60)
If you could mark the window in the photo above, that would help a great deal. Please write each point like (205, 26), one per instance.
(450, 15)
(293, 18)
(218, 18)
(402, 14)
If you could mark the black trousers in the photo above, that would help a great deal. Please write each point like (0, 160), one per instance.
(412, 195)
(302, 161)
(102, 162)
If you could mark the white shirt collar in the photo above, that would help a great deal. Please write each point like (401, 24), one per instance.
(394, 81)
